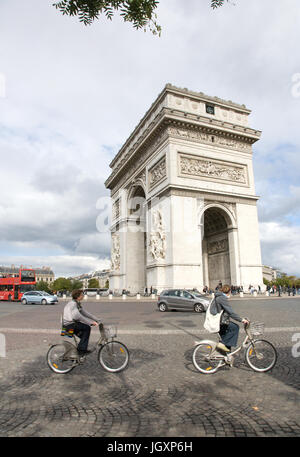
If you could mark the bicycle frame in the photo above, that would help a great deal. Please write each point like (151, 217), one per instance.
(227, 358)
(70, 347)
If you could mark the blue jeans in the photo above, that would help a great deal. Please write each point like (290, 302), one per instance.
(229, 334)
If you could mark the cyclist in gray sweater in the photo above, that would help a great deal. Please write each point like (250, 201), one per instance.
(78, 319)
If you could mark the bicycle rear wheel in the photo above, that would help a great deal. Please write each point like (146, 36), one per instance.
(203, 361)
(113, 356)
(56, 360)
(261, 356)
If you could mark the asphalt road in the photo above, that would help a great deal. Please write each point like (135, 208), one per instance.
(160, 393)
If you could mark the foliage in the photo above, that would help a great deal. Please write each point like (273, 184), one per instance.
(42, 285)
(76, 284)
(62, 284)
(141, 13)
(94, 283)
(283, 281)
(66, 284)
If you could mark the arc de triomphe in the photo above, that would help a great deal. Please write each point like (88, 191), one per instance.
(183, 199)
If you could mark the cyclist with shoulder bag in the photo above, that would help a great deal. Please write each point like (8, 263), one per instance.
(229, 331)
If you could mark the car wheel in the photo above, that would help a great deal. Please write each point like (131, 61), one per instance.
(163, 307)
(24, 301)
(44, 302)
(198, 308)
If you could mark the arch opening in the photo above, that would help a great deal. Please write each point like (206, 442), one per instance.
(215, 248)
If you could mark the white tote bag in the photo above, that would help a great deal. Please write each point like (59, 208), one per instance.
(212, 322)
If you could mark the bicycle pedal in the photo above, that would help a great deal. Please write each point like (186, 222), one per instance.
(229, 361)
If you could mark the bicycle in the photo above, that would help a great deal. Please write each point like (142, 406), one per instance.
(260, 354)
(113, 356)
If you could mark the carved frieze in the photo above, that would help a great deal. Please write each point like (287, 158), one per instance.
(116, 209)
(195, 166)
(215, 247)
(157, 237)
(115, 251)
(209, 138)
(157, 173)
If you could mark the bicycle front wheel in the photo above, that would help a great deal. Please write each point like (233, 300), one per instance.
(203, 359)
(113, 356)
(261, 356)
(56, 360)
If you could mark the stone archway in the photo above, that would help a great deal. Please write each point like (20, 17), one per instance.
(216, 249)
(191, 156)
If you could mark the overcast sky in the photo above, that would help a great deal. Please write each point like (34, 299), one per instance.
(70, 95)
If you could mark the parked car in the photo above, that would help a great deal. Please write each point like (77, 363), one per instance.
(182, 299)
(38, 297)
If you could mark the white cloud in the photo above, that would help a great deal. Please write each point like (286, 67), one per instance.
(73, 94)
(281, 246)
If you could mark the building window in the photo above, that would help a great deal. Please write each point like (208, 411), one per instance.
(210, 109)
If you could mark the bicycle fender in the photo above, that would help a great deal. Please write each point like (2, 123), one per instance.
(211, 343)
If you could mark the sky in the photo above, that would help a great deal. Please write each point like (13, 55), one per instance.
(70, 95)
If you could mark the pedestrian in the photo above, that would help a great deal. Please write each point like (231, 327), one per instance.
(80, 321)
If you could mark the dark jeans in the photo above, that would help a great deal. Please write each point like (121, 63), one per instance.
(229, 334)
(83, 332)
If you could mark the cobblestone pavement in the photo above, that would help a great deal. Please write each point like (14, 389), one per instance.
(159, 394)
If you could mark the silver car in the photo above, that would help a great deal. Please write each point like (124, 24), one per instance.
(182, 299)
(38, 297)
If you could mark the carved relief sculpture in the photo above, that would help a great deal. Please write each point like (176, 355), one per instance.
(115, 252)
(157, 243)
(212, 168)
(157, 173)
(116, 209)
(218, 246)
(203, 137)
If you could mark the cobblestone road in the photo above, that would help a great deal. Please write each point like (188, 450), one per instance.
(160, 393)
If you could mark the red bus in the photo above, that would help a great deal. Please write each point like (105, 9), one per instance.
(12, 287)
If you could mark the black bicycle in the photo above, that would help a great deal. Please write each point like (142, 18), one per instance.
(113, 356)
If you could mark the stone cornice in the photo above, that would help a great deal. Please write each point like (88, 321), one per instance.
(207, 98)
(166, 120)
(159, 116)
(212, 125)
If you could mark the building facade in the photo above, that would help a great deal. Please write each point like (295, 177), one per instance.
(102, 276)
(269, 273)
(183, 197)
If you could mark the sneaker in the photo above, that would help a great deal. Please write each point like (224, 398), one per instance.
(222, 347)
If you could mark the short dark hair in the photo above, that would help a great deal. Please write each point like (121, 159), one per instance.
(76, 293)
